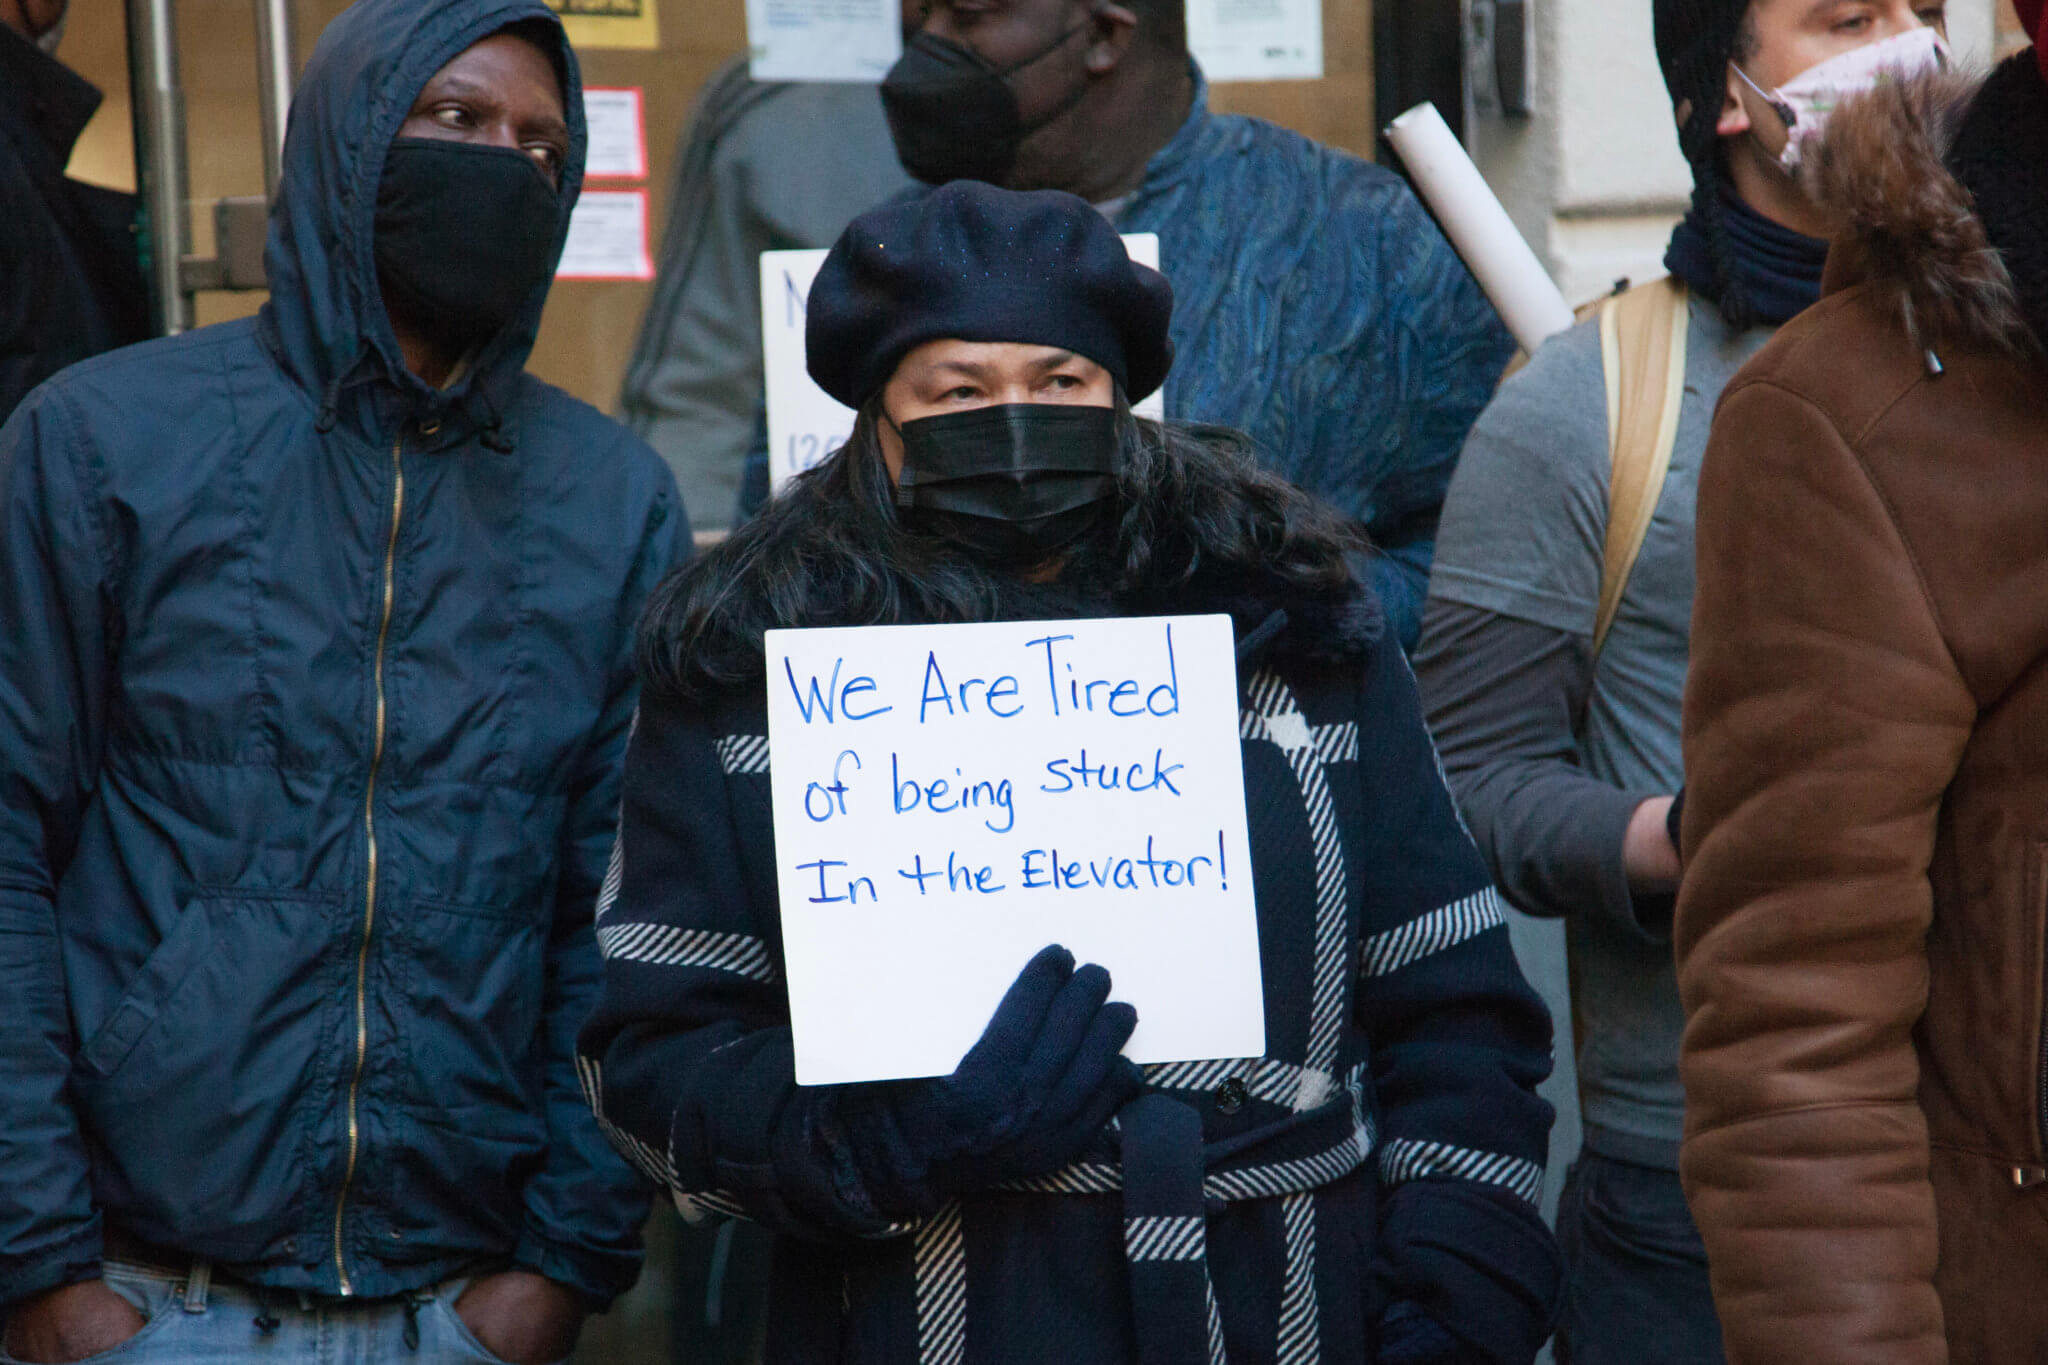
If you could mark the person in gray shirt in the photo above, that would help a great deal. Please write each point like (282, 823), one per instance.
(765, 166)
(1566, 764)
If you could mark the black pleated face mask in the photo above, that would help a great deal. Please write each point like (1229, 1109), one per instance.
(1013, 484)
(953, 115)
(465, 234)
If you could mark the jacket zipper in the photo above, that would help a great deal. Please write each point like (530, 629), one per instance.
(355, 1083)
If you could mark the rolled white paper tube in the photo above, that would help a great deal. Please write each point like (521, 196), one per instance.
(1523, 293)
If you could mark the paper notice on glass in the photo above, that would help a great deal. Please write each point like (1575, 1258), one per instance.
(805, 424)
(607, 238)
(618, 140)
(948, 800)
(823, 40)
(1257, 40)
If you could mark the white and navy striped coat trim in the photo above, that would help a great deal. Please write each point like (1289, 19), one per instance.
(1405, 1159)
(1166, 1237)
(1300, 1338)
(1273, 715)
(1433, 932)
(1334, 743)
(743, 753)
(615, 863)
(939, 1260)
(941, 1264)
(704, 1206)
(614, 873)
(655, 1165)
(1268, 1181)
(1265, 1078)
(664, 945)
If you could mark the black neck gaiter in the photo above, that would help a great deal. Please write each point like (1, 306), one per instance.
(465, 234)
(1777, 270)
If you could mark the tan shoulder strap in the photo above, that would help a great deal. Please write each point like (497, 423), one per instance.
(1642, 351)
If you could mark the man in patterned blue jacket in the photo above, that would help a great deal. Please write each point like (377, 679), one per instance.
(314, 677)
(1317, 306)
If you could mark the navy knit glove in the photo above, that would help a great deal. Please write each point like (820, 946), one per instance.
(1045, 1077)
(1410, 1336)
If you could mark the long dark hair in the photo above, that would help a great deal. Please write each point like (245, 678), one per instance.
(1199, 523)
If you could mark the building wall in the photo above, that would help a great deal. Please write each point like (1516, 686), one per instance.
(588, 331)
(1593, 177)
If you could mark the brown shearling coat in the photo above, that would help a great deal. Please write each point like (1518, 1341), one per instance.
(1860, 934)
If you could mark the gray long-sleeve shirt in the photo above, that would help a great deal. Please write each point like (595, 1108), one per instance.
(1548, 750)
(765, 166)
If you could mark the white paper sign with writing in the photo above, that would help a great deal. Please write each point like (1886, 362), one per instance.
(1257, 40)
(823, 40)
(948, 800)
(616, 139)
(607, 238)
(805, 424)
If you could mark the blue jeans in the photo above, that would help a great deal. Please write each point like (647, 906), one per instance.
(1637, 1271)
(192, 1320)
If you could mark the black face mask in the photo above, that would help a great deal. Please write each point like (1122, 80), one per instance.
(953, 115)
(465, 234)
(1014, 484)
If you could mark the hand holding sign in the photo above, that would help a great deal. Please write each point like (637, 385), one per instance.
(1044, 1078)
(950, 799)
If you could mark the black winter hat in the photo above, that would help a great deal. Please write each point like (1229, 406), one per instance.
(979, 263)
(1696, 40)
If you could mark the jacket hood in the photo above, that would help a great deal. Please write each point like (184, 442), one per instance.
(1903, 169)
(325, 318)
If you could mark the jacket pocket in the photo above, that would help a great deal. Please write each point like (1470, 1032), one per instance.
(199, 1092)
(472, 1091)
(163, 971)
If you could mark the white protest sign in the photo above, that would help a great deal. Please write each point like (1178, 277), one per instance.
(1257, 40)
(948, 800)
(804, 423)
(823, 40)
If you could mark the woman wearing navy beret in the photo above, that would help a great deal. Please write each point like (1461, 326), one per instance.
(1364, 1193)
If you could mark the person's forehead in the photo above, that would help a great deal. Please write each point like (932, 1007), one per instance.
(1804, 14)
(998, 8)
(498, 64)
(954, 352)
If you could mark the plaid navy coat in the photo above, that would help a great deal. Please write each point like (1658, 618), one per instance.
(1389, 1146)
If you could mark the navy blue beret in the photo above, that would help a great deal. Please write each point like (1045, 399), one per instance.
(977, 263)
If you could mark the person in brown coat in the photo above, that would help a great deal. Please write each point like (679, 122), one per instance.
(1860, 932)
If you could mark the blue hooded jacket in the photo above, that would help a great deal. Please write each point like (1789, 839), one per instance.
(313, 686)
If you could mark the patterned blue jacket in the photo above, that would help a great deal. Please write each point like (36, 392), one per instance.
(1317, 307)
(1387, 1147)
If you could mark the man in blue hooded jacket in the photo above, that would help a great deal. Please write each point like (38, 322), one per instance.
(316, 671)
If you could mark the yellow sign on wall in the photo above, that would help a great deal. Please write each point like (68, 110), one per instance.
(609, 23)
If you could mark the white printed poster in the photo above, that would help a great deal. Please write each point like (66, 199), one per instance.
(607, 238)
(823, 40)
(948, 800)
(617, 135)
(1257, 40)
(805, 424)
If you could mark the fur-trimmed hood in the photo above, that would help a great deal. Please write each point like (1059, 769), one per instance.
(1941, 188)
